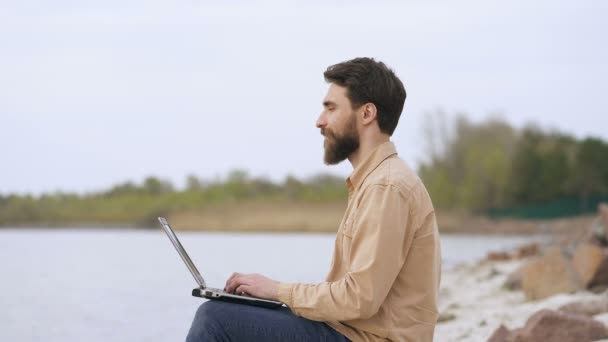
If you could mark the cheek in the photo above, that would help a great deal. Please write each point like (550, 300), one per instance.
(337, 121)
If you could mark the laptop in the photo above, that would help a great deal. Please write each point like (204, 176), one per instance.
(208, 292)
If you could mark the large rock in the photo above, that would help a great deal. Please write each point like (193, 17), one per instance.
(599, 229)
(556, 326)
(591, 263)
(602, 210)
(548, 275)
(587, 259)
(587, 308)
(500, 335)
(553, 326)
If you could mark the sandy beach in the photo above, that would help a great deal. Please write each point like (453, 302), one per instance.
(474, 303)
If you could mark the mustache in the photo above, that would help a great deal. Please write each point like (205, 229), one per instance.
(327, 133)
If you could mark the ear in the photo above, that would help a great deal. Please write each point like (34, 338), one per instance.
(369, 113)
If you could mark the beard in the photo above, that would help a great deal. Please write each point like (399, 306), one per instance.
(339, 147)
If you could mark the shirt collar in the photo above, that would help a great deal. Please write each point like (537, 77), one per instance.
(369, 164)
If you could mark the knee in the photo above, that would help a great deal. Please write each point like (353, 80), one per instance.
(207, 313)
(205, 326)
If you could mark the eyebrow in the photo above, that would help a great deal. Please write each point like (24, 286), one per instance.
(329, 103)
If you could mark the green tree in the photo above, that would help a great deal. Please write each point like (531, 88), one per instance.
(591, 173)
(472, 171)
(156, 186)
(193, 183)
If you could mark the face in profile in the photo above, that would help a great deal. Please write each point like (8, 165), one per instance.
(338, 124)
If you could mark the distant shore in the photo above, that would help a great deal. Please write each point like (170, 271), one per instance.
(285, 216)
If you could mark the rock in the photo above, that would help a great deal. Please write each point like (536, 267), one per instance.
(591, 263)
(602, 318)
(445, 317)
(500, 335)
(549, 275)
(601, 275)
(498, 256)
(599, 229)
(598, 289)
(556, 326)
(513, 281)
(602, 210)
(527, 250)
(524, 251)
(587, 308)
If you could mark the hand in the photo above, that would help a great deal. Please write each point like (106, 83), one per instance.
(254, 285)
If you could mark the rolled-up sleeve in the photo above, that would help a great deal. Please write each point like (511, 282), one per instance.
(379, 241)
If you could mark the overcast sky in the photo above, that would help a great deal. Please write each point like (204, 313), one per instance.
(93, 93)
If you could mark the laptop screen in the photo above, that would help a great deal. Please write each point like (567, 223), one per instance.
(182, 252)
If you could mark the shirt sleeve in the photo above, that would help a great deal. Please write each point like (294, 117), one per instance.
(381, 237)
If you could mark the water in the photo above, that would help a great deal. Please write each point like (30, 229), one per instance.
(117, 285)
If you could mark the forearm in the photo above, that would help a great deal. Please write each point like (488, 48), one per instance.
(341, 300)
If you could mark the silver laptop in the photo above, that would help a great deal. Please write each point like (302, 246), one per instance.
(208, 292)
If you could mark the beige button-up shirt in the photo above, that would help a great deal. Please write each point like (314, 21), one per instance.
(384, 278)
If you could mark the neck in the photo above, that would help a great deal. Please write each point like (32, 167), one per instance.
(366, 146)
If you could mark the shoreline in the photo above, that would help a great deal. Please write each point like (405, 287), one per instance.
(473, 301)
(313, 220)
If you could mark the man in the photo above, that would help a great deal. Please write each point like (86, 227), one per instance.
(384, 278)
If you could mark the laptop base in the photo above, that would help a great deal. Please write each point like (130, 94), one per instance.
(198, 292)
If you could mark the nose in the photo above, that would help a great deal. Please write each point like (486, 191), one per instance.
(321, 122)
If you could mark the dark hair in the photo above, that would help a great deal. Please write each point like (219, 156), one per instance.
(367, 80)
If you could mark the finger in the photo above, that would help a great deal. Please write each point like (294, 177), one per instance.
(232, 276)
(230, 280)
(243, 289)
(236, 282)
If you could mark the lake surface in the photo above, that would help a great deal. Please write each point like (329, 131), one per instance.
(128, 285)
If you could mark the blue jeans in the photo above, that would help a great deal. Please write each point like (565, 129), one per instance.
(221, 321)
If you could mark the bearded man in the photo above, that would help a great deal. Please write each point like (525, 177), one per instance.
(384, 278)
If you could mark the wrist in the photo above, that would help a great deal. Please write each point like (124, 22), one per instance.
(285, 294)
(275, 290)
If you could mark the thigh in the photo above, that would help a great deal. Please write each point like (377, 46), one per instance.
(221, 321)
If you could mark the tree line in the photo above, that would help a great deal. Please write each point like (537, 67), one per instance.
(491, 164)
(140, 203)
(470, 166)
